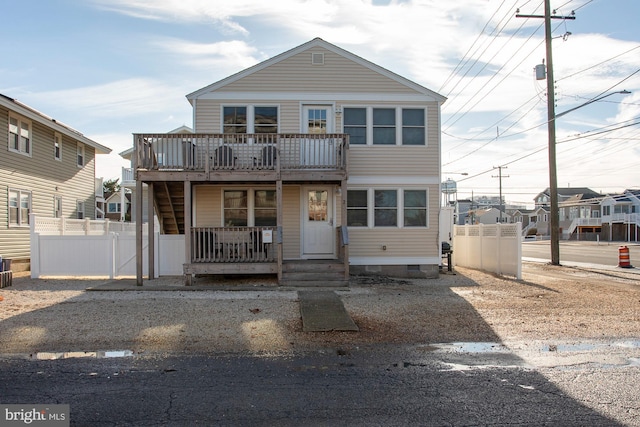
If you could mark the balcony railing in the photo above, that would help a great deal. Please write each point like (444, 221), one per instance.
(232, 244)
(241, 152)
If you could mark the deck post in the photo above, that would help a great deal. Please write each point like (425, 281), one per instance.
(279, 220)
(138, 214)
(151, 231)
(187, 230)
(343, 216)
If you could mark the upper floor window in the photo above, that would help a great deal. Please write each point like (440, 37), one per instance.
(250, 119)
(413, 129)
(80, 154)
(385, 126)
(19, 135)
(19, 208)
(355, 124)
(57, 146)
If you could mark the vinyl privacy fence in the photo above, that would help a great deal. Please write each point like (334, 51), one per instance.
(496, 248)
(92, 248)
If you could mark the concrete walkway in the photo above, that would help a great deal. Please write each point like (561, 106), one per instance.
(323, 311)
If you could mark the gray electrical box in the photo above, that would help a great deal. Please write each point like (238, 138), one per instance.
(541, 72)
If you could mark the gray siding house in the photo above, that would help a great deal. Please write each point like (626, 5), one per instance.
(310, 165)
(47, 168)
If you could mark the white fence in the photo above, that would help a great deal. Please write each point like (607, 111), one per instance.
(90, 248)
(490, 247)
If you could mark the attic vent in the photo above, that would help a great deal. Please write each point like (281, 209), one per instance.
(317, 58)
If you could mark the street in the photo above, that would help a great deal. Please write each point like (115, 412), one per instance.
(378, 385)
(604, 253)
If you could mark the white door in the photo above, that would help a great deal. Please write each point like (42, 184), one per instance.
(318, 234)
(317, 120)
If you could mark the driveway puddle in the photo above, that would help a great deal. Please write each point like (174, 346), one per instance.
(590, 346)
(471, 347)
(47, 355)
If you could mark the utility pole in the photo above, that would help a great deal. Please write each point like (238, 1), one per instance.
(551, 126)
(500, 176)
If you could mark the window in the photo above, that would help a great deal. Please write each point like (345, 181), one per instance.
(317, 120)
(357, 214)
(385, 208)
(57, 206)
(415, 208)
(413, 130)
(80, 209)
(19, 208)
(19, 135)
(355, 124)
(384, 126)
(113, 207)
(80, 154)
(265, 209)
(57, 146)
(235, 208)
(250, 119)
(606, 210)
(265, 120)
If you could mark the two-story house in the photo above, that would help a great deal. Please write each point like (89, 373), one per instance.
(310, 165)
(47, 169)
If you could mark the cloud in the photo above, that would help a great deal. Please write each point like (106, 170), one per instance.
(229, 55)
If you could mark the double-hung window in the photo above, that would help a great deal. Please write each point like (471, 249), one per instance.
(385, 126)
(265, 208)
(357, 214)
(235, 208)
(57, 146)
(243, 207)
(113, 207)
(249, 119)
(415, 208)
(19, 135)
(385, 212)
(355, 124)
(80, 155)
(19, 208)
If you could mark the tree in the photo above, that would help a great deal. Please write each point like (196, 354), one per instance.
(111, 186)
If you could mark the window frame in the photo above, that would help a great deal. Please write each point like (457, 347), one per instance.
(57, 206)
(117, 209)
(251, 206)
(80, 211)
(80, 155)
(399, 125)
(19, 195)
(424, 208)
(28, 150)
(364, 208)
(250, 117)
(381, 209)
(57, 146)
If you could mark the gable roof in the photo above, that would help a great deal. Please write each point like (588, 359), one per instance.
(37, 116)
(315, 43)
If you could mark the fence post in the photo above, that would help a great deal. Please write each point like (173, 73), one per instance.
(481, 236)
(519, 251)
(113, 241)
(62, 226)
(106, 226)
(34, 248)
(498, 244)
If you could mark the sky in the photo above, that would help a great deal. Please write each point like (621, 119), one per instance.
(111, 68)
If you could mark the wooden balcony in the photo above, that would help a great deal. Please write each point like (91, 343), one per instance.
(241, 157)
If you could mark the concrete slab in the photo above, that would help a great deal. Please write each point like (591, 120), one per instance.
(324, 311)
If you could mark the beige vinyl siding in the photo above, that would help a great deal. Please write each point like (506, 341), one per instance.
(208, 209)
(45, 178)
(409, 242)
(393, 160)
(297, 74)
(291, 218)
(208, 114)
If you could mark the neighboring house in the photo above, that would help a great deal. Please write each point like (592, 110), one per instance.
(565, 195)
(117, 207)
(488, 215)
(620, 216)
(311, 164)
(580, 216)
(48, 169)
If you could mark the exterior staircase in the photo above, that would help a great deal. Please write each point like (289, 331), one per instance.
(314, 273)
(169, 200)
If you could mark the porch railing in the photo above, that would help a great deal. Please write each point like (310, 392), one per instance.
(209, 152)
(233, 244)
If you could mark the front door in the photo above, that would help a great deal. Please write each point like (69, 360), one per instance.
(318, 234)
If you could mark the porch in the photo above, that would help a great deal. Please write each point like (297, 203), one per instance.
(171, 165)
